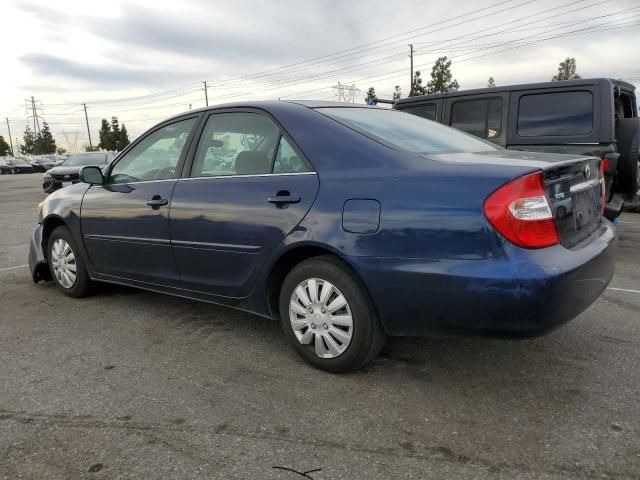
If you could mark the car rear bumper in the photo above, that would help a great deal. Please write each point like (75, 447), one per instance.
(521, 293)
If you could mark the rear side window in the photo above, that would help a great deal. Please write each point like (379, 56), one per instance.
(555, 114)
(427, 111)
(482, 118)
(239, 143)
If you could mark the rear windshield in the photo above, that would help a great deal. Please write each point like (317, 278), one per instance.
(86, 159)
(407, 132)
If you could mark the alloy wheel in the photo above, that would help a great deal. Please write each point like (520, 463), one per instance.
(320, 313)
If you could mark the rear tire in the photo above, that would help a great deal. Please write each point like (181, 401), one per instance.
(628, 137)
(67, 267)
(333, 339)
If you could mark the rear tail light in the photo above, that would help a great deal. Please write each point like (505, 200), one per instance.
(520, 212)
(605, 163)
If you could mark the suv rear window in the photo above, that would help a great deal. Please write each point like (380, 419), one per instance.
(427, 111)
(555, 114)
(482, 118)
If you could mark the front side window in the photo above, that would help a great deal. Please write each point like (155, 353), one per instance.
(555, 114)
(427, 111)
(155, 157)
(482, 117)
(239, 143)
(406, 132)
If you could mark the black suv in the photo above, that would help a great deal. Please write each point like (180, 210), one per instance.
(596, 117)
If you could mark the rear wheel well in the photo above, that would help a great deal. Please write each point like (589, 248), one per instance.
(286, 263)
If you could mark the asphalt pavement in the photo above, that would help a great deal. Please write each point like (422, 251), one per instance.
(132, 384)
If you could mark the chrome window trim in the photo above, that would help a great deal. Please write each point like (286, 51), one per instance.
(250, 175)
(140, 181)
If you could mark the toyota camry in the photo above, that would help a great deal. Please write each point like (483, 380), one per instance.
(347, 223)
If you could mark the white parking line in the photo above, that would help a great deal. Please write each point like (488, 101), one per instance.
(12, 268)
(623, 290)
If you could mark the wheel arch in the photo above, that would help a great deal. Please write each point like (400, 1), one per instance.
(295, 255)
(49, 224)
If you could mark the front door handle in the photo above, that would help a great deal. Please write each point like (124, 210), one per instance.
(157, 202)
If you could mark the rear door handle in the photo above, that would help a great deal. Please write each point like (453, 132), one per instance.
(284, 199)
(157, 202)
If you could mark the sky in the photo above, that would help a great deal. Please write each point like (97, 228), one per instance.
(144, 60)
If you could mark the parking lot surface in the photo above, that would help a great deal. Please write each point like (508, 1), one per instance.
(132, 384)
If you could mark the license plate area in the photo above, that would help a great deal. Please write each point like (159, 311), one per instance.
(584, 209)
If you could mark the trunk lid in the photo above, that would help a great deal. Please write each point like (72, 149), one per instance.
(572, 184)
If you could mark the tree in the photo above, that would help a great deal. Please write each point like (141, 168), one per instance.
(5, 149)
(112, 136)
(566, 71)
(123, 139)
(491, 83)
(441, 78)
(104, 134)
(45, 143)
(28, 146)
(416, 86)
(371, 97)
(397, 93)
(61, 151)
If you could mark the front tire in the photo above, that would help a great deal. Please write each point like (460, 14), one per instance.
(328, 317)
(67, 266)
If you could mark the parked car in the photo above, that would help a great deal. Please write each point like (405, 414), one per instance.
(347, 223)
(42, 163)
(68, 172)
(12, 166)
(586, 117)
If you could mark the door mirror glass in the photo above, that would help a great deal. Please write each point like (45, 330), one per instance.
(92, 175)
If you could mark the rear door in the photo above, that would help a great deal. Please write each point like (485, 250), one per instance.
(248, 186)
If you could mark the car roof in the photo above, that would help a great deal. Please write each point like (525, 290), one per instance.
(270, 104)
(522, 86)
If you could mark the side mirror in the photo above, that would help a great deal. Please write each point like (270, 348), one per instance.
(92, 175)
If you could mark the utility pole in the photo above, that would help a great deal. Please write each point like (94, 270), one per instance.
(206, 94)
(10, 139)
(86, 117)
(35, 115)
(411, 67)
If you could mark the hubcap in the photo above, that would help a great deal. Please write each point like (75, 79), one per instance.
(64, 263)
(319, 313)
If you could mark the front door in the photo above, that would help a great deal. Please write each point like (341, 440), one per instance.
(125, 223)
(249, 187)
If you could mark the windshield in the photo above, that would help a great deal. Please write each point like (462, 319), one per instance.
(86, 159)
(407, 132)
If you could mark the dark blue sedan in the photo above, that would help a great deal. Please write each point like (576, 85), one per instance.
(348, 223)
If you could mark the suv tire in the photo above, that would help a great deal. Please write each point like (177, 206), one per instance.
(628, 136)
